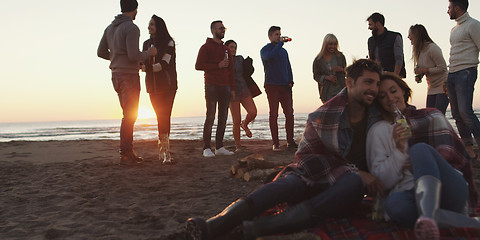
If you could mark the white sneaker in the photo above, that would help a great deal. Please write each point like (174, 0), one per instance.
(276, 148)
(223, 151)
(208, 153)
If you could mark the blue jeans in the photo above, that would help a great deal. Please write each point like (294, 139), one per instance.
(425, 160)
(438, 101)
(460, 87)
(215, 94)
(328, 201)
(127, 86)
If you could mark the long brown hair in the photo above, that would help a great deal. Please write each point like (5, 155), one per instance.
(420, 40)
(162, 36)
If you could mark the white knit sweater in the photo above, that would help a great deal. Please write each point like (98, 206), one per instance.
(465, 43)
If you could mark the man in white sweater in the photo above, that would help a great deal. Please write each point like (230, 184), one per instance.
(465, 46)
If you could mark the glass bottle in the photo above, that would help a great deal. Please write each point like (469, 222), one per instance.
(153, 58)
(377, 209)
(400, 118)
(418, 77)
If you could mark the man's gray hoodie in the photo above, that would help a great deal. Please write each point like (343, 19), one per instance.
(119, 44)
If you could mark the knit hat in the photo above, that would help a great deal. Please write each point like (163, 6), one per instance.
(128, 5)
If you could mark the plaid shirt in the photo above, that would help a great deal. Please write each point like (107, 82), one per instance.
(327, 140)
(430, 126)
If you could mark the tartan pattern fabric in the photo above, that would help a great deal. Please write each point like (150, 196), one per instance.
(430, 126)
(360, 226)
(326, 141)
(363, 228)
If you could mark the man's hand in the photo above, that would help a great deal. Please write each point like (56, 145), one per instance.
(152, 51)
(223, 63)
(372, 184)
(285, 39)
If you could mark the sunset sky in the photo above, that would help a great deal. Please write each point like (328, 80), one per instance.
(49, 69)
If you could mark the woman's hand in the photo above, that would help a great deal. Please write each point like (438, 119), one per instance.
(421, 70)
(338, 69)
(332, 79)
(399, 136)
(407, 165)
(157, 67)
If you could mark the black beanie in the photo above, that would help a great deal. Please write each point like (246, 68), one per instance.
(128, 5)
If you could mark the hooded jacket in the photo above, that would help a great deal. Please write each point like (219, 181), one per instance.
(210, 54)
(119, 44)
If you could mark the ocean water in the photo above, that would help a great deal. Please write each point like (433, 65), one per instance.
(186, 128)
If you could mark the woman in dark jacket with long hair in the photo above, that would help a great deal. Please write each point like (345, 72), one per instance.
(161, 81)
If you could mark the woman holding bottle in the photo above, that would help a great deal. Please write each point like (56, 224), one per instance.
(329, 68)
(424, 165)
(161, 82)
(429, 62)
(243, 95)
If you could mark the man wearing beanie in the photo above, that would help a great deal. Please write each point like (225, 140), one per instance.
(119, 44)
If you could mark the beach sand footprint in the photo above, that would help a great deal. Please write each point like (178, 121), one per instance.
(18, 154)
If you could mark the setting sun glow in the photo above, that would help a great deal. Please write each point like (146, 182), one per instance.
(145, 112)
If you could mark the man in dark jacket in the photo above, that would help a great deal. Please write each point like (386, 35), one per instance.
(215, 60)
(119, 44)
(385, 47)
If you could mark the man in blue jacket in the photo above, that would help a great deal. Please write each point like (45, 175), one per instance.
(278, 85)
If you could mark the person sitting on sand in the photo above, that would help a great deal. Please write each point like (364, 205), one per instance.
(425, 188)
(329, 178)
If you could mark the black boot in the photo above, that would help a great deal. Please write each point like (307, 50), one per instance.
(233, 215)
(295, 218)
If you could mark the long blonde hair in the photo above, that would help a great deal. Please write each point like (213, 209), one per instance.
(329, 38)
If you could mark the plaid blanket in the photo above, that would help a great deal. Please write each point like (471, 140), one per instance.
(326, 142)
(432, 127)
(360, 226)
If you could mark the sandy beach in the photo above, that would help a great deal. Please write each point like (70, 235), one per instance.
(75, 189)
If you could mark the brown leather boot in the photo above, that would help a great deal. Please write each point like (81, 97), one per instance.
(129, 158)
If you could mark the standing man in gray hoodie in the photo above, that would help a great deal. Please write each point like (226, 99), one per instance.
(119, 44)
